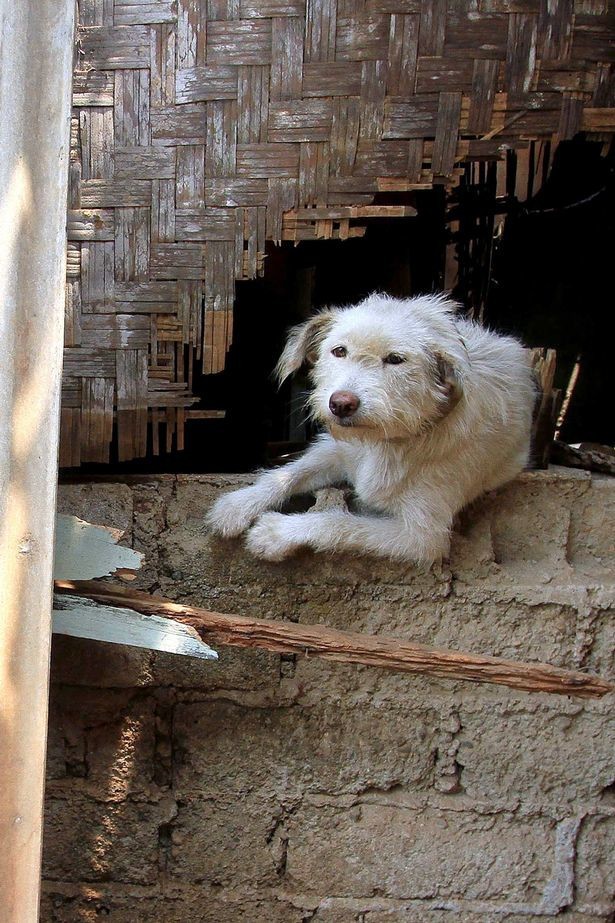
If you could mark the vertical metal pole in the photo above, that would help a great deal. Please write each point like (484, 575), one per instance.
(36, 39)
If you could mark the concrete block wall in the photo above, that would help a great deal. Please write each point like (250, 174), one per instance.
(268, 789)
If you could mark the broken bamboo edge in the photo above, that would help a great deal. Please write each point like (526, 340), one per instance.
(347, 646)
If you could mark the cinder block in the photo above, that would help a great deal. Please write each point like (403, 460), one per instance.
(551, 756)
(226, 842)
(103, 841)
(419, 852)
(227, 748)
(595, 865)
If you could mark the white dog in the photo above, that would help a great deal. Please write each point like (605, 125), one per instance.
(424, 412)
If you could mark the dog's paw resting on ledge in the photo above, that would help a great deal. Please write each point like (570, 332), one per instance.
(423, 413)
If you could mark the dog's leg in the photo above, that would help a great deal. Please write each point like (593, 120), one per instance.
(422, 538)
(320, 466)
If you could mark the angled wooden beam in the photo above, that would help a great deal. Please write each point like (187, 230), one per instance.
(348, 647)
(36, 50)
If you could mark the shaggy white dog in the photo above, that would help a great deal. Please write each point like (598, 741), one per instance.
(424, 412)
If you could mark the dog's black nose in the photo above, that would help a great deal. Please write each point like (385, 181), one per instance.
(343, 403)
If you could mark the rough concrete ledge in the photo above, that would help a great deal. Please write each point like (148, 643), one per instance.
(269, 789)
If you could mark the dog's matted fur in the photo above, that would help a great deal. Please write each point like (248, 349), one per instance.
(423, 411)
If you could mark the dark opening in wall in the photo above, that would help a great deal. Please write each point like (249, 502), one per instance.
(552, 280)
(546, 278)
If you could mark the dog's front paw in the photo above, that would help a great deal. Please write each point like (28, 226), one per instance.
(233, 513)
(273, 537)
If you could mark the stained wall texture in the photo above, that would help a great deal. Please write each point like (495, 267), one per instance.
(270, 789)
(204, 128)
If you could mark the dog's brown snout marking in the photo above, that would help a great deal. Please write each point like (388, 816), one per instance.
(343, 403)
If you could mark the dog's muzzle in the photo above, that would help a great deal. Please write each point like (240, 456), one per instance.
(343, 404)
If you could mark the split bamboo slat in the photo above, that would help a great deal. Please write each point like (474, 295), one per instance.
(203, 128)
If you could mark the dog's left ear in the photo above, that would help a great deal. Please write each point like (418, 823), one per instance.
(449, 380)
(302, 344)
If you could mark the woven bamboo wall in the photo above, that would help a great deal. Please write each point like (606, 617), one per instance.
(203, 128)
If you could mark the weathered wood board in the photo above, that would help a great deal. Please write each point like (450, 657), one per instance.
(82, 618)
(202, 130)
(84, 551)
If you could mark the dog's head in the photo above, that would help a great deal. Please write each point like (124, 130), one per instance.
(386, 368)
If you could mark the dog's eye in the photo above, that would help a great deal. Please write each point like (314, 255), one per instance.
(393, 359)
(339, 352)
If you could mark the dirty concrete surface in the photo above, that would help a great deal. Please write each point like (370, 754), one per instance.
(275, 789)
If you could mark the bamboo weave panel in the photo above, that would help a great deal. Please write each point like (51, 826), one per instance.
(203, 128)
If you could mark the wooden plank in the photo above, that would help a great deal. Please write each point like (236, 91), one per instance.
(131, 108)
(484, 86)
(571, 116)
(403, 54)
(132, 244)
(233, 193)
(414, 118)
(97, 139)
(177, 261)
(92, 88)
(362, 37)
(82, 618)
(598, 119)
(246, 41)
(116, 47)
(341, 212)
(88, 363)
(162, 65)
(333, 78)
(173, 125)
(286, 74)
(263, 161)
(96, 418)
(313, 174)
(521, 53)
(132, 403)
(143, 163)
(447, 132)
(143, 12)
(162, 224)
(97, 276)
(306, 640)
(555, 30)
(90, 224)
(190, 176)
(281, 197)
(115, 331)
(201, 84)
(36, 62)
(432, 27)
(443, 73)
(221, 144)
(115, 194)
(373, 89)
(84, 551)
(191, 27)
(320, 30)
(300, 120)
(206, 224)
(266, 9)
(252, 104)
(344, 136)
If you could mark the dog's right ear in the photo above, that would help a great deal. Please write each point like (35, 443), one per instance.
(302, 344)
